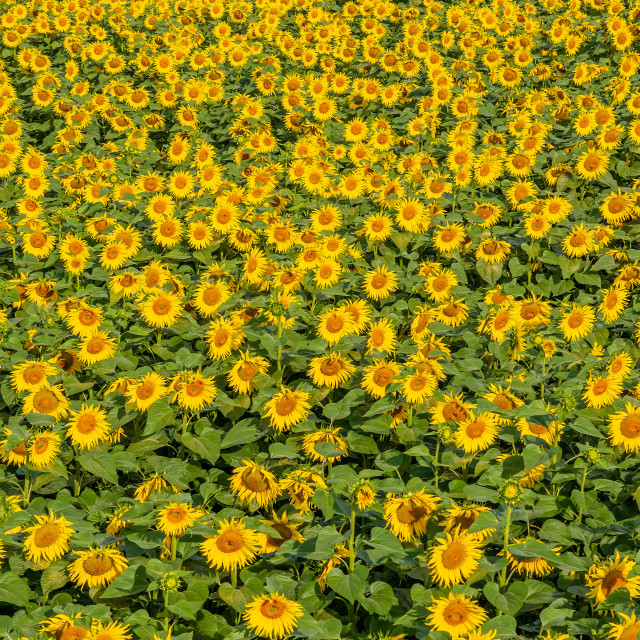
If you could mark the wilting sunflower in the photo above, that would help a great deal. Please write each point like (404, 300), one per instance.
(453, 559)
(161, 309)
(253, 482)
(175, 519)
(380, 283)
(155, 483)
(330, 437)
(407, 516)
(451, 409)
(477, 433)
(88, 427)
(49, 401)
(272, 615)
(194, 391)
(31, 375)
(233, 547)
(603, 578)
(146, 390)
(457, 615)
(242, 376)
(283, 530)
(536, 567)
(301, 485)
(330, 371)
(578, 322)
(97, 567)
(48, 540)
(601, 391)
(624, 428)
(364, 494)
(287, 409)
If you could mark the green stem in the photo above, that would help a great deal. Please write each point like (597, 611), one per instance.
(174, 547)
(410, 416)
(582, 482)
(436, 467)
(234, 578)
(279, 333)
(352, 536)
(507, 524)
(544, 373)
(166, 610)
(27, 488)
(77, 480)
(185, 421)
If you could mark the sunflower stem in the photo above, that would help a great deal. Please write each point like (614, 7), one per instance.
(174, 547)
(234, 578)
(166, 611)
(507, 524)
(77, 482)
(27, 488)
(582, 483)
(185, 422)
(436, 468)
(279, 345)
(410, 416)
(352, 536)
(544, 373)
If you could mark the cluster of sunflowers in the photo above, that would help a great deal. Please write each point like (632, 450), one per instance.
(319, 319)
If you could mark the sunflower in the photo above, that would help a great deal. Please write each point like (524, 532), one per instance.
(535, 567)
(458, 519)
(142, 393)
(96, 347)
(614, 302)
(382, 337)
(578, 322)
(493, 251)
(16, 455)
(453, 313)
(579, 241)
(287, 409)
(378, 376)
(603, 578)
(209, 296)
(175, 519)
(49, 401)
(223, 337)
(601, 391)
(301, 485)
(628, 629)
(451, 409)
(533, 429)
(449, 238)
(418, 386)
(621, 365)
(112, 631)
(88, 426)
(477, 433)
(232, 547)
(161, 309)
(407, 516)
(440, 284)
(31, 375)
(503, 399)
(592, 164)
(84, 321)
(380, 283)
(48, 540)
(329, 437)
(334, 324)
(194, 391)
(378, 227)
(453, 559)
(39, 244)
(97, 567)
(272, 615)
(624, 428)
(330, 371)
(242, 376)
(283, 530)
(457, 615)
(359, 314)
(253, 482)
(43, 448)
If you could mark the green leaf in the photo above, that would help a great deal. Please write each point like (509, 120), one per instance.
(244, 431)
(511, 601)
(490, 273)
(160, 415)
(380, 599)
(14, 590)
(131, 581)
(100, 464)
(324, 501)
(383, 545)
(206, 445)
(349, 586)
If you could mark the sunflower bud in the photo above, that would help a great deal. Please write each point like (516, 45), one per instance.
(511, 492)
(592, 455)
(170, 581)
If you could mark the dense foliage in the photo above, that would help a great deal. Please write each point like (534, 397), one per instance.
(319, 319)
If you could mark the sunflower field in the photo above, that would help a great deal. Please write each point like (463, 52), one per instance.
(319, 319)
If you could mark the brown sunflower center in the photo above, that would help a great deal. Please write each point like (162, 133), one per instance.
(383, 376)
(38, 239)
(33, 374)
(475, 429)
(95, 345)
(612, 581)
(286, 405)
(145, 390)
(455, 614)
(255, 480)
(630, 426)
(410, 513)
(453, 412)
(330, 367)
(504, 402)
(74, 633)
(378, 281)
(229, 542)
(285, 534)
(98, 564)
(86, 424)
(45, 402)
(272, 609)
(454, 555)
(600, 387)
(247, 371)
(46, 535)
(334, 324)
